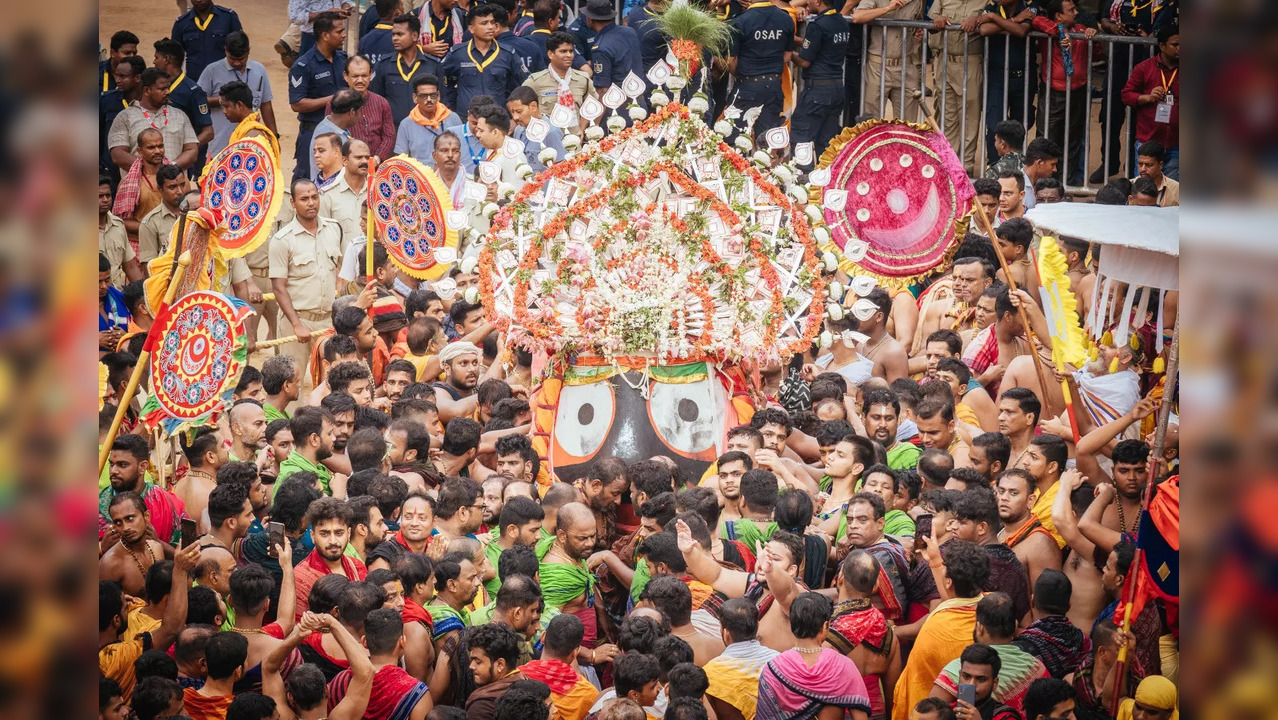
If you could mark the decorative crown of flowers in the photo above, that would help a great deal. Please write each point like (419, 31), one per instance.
(658, 241)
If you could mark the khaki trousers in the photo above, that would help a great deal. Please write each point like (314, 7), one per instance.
(316, 323)
(961, 101)
(268, 311)
(876, 106)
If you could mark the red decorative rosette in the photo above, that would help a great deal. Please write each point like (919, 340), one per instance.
(201, 350)
(903, 200)
(243, 185)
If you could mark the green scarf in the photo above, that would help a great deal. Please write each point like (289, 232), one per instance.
(747, 531)
(562, 583)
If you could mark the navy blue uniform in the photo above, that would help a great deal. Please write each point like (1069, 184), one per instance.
(719, 82)
(106, 78)
(584, 34)
(816, 115)
(1006, 54)
(186, 95)
(393, 80)
(614, 55)
(376, 43)
(541, 61)
(204, 40)
(369, 20)
(524, 24)
(761, 37)
(524, 48)
(469, 73)
(110, 104)
(652, 43)
(445, 28)
(312, 76)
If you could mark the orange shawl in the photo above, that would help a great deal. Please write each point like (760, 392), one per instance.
(941, 639)
(203, 707)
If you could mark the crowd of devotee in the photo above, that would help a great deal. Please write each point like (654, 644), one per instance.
(922, 516)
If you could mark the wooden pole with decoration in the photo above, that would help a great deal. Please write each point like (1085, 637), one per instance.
(368, 225)
(152, 337)
(984, 219)
(1155, 459)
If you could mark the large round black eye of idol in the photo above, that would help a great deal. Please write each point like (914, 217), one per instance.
(688, 410)
(586, 414)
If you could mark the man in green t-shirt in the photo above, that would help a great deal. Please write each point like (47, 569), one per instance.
(882, 413)
(282, 381)
(313, 435)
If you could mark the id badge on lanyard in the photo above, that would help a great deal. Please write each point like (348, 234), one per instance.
(1163, 113)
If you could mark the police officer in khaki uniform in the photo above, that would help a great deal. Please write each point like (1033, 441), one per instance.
(343, 200)
(259, 265)
(304, 258)
(883, 59)
(961, 117)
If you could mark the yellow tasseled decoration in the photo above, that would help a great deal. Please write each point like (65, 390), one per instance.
(1113, 365)
(1159, 366)
(1069, 344)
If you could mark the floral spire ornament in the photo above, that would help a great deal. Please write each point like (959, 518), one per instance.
(692, 30)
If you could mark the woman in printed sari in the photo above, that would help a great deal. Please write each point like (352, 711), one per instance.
(802, 683)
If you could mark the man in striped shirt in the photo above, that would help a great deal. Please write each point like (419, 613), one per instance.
(374, 123)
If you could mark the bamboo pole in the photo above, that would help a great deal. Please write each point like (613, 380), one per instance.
(1011, 288)
(368, 223)
(1155, 457)
(174, 281)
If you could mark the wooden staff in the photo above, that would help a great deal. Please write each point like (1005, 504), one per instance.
(1011, 284)
(984, 220)
(158, 436)
(176, 279)
(267, 297)
(368, 223)
(1155, 458)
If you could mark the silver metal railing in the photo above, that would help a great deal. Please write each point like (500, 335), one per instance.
(1020, 93)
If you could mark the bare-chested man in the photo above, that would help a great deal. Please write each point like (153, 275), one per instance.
(1034, 546)
(970, 277)
(128, 560)
(776, 573)
(1013, 243)
(566, 583)
(888, 355)
(1019, 412)
(1081, 278)
(205, 452)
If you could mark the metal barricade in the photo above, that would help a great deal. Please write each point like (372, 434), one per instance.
(1019, 92)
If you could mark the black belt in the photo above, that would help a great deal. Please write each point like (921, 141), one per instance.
(759, 78)
(825, 81)
(305, 125)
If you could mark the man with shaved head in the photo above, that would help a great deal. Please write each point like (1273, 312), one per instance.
(214, 572)
(859, 630)
(566, 584)
(557, 496)
(248, 430)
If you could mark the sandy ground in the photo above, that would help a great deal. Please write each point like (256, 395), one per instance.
(264, 22)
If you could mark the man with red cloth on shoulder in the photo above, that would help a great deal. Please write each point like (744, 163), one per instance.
(330, 532)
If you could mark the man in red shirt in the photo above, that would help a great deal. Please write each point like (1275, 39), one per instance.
(1153, 93)
(330, 531)
(1065, 97)
(374, 123)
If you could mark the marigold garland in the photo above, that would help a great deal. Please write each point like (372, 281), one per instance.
(542, 325)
